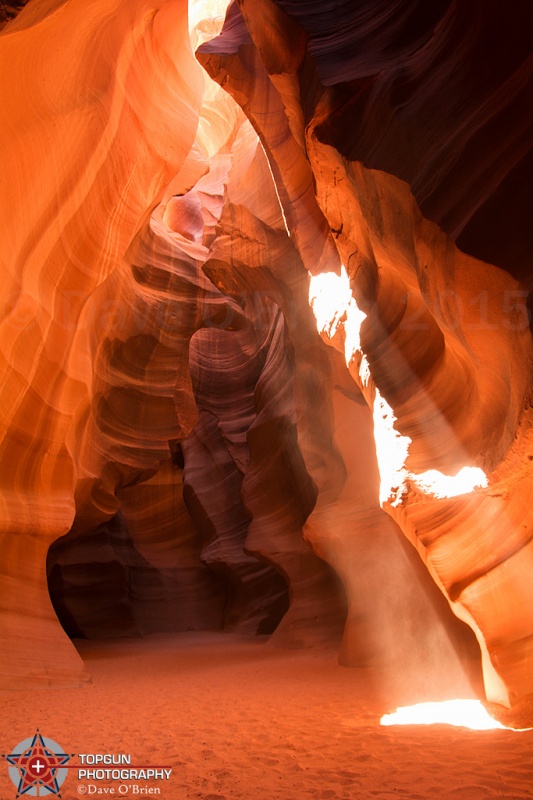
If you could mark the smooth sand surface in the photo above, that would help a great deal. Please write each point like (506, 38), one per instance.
(241, 720)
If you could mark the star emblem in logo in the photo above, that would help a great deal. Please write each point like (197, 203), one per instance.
(38, 762)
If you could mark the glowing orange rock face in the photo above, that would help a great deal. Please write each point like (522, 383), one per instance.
(162, 371)
(88, 152)
(436, 370)
(440, 347)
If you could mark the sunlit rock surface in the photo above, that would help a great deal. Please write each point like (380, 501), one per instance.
(443, 355)
(173, 423)
(87, 153)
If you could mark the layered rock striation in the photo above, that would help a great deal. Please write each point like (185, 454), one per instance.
(437, 342)
(173, 424)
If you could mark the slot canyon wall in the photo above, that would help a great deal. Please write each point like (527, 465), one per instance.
(265, 347)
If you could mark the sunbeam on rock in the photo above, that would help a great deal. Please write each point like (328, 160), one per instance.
(265, 356)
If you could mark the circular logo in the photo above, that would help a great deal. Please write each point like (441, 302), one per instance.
(35, 766)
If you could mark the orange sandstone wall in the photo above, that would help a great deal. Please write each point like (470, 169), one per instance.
(437, 341)
(90, 94)
(167, 403)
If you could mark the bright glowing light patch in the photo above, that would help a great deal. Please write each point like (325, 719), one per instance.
(435, 483)
(334, 307)
(206, 19)
(330, 297)
(391, 451)
(460, 713)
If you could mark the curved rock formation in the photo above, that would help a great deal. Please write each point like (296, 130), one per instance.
(438, 343)
(86, 153)
(168, 406)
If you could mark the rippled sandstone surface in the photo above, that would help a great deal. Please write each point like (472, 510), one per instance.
(186, 443)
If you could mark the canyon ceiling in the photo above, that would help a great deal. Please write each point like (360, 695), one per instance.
(265, 348)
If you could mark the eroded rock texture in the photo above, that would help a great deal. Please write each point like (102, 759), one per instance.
(173, 424)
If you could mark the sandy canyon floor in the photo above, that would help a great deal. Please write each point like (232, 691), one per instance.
(241, 720)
